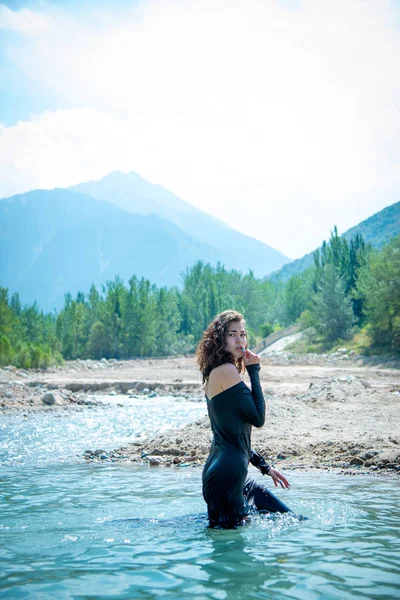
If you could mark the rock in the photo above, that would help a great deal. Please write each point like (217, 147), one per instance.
(356, 461)
(342, 350)
(49, 399)
(178, 440)
(366, 384)
(146, 391)
(154, 462)
(99, 452)
(176, 460)
(103, 456)
(369, 454)
(193, 453)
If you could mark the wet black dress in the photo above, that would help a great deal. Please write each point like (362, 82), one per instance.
(225, 489)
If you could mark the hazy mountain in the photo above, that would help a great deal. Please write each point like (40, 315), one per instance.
(376, 230)
(233, 249)
(53, 242)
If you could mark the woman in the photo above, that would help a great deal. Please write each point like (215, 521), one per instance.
(233, 408)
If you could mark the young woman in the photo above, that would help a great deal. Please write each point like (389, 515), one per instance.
(233, 408)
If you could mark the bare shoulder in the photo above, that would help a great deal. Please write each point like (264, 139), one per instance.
(224, 376)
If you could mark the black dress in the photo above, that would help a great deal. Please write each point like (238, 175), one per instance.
(226, 489)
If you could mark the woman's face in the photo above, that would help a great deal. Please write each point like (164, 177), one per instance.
(236, 339)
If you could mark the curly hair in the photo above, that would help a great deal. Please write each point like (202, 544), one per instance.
(211, 351)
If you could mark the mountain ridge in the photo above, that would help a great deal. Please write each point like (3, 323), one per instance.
(388, 217)
(132, 192)
(57, 241)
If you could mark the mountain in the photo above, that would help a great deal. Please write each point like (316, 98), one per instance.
(376, 230)
(235, 250)
(59, 241)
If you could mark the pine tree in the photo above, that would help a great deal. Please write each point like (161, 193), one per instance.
(379, 288)
(332, 311)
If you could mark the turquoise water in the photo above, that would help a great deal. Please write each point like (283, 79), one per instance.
(75, 530)
(55, 436)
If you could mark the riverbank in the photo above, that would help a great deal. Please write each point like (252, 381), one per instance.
(330, 416)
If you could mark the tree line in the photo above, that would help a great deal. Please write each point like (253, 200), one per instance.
(350, 287)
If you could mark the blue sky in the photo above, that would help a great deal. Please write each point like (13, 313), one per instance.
(280, 118)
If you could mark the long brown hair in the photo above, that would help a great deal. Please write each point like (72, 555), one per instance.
(211, 349)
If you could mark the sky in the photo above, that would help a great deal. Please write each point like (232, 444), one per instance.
(280, 117)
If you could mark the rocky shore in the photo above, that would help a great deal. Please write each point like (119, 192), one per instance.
(341, 415)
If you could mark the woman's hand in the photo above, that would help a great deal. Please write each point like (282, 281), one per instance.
(278, 478)
(250, 358)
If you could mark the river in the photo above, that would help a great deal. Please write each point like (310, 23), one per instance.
(75, 530)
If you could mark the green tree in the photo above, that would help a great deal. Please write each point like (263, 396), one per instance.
(379, 288)
(168, 322)
(332, 313)
(98, 342)
(297, 296)
(6, 352)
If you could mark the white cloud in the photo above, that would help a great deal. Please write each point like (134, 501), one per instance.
(23, 21)
(247, 110)
(57, 149)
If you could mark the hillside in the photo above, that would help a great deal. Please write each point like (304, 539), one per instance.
(376, 230)
(232, 248)
(54, 242)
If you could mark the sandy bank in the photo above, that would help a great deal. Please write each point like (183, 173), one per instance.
(319, 415)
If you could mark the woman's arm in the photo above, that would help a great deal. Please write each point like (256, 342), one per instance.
(258, 461)
(252, 404)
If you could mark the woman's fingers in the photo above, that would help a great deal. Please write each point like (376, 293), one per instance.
(250, 358)
(280, 479)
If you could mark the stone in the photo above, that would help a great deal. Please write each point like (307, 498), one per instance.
(49, 399)
(366, 384)
(356, 461)
(21, 374)
(99, 452)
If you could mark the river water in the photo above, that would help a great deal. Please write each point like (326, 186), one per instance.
(74, 530)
